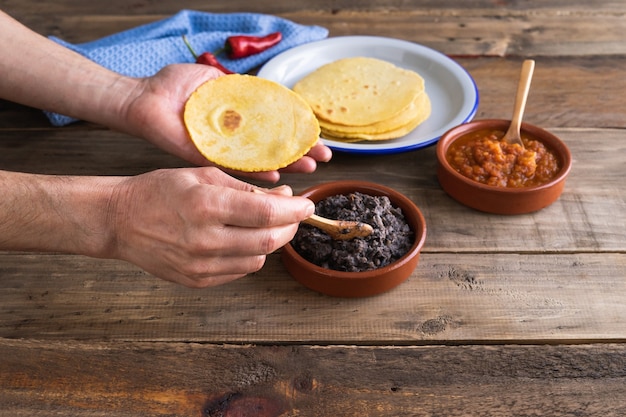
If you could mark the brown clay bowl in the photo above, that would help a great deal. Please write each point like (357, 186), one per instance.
(366, 283)
(495, 199)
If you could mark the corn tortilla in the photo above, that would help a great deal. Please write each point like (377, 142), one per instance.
(419, 109)
(392, 134)
(250, 124)
(359, 91)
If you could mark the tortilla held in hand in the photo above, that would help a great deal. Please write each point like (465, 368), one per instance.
(250, 124)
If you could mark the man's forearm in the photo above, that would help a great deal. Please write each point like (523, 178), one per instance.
(38, 72)
(56, 213)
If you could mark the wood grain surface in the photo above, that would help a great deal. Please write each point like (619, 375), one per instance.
(505, 315)
(189, 379)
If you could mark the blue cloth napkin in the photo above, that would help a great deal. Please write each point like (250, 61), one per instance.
(144, 50)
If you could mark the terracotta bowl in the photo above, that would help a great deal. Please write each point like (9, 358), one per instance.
(495, 199)
(366, 283)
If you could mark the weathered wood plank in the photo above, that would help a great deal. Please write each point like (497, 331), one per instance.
(122, 7)
(491, 31)
(449, 298)
(158, 379)
(81, 150)
(588, 217)
(488, 32)
(93, 337)
(574, 92)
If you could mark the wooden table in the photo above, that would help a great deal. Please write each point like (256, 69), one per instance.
(522, 315)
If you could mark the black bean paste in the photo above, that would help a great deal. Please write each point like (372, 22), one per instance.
(391, 239)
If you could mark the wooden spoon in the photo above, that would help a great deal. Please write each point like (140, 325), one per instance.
(336, 229)
(512, 135)
(340, 229)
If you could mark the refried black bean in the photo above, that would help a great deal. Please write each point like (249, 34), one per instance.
(391, 239)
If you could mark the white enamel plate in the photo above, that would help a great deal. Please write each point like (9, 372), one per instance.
(453, 92)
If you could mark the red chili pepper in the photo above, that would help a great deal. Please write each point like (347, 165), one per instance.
(242, 46)
(207, 58)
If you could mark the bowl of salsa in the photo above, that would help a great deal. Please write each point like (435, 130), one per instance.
(479, 170)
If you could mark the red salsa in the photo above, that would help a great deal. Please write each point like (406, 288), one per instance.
(483, 157)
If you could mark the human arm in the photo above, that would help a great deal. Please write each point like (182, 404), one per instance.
(40, 73)
(186, 225)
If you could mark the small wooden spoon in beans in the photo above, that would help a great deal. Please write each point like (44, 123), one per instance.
(336, 229)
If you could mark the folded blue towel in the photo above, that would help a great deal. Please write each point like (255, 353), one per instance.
(144, 50)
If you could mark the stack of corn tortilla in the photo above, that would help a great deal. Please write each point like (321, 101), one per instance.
(362, 98)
